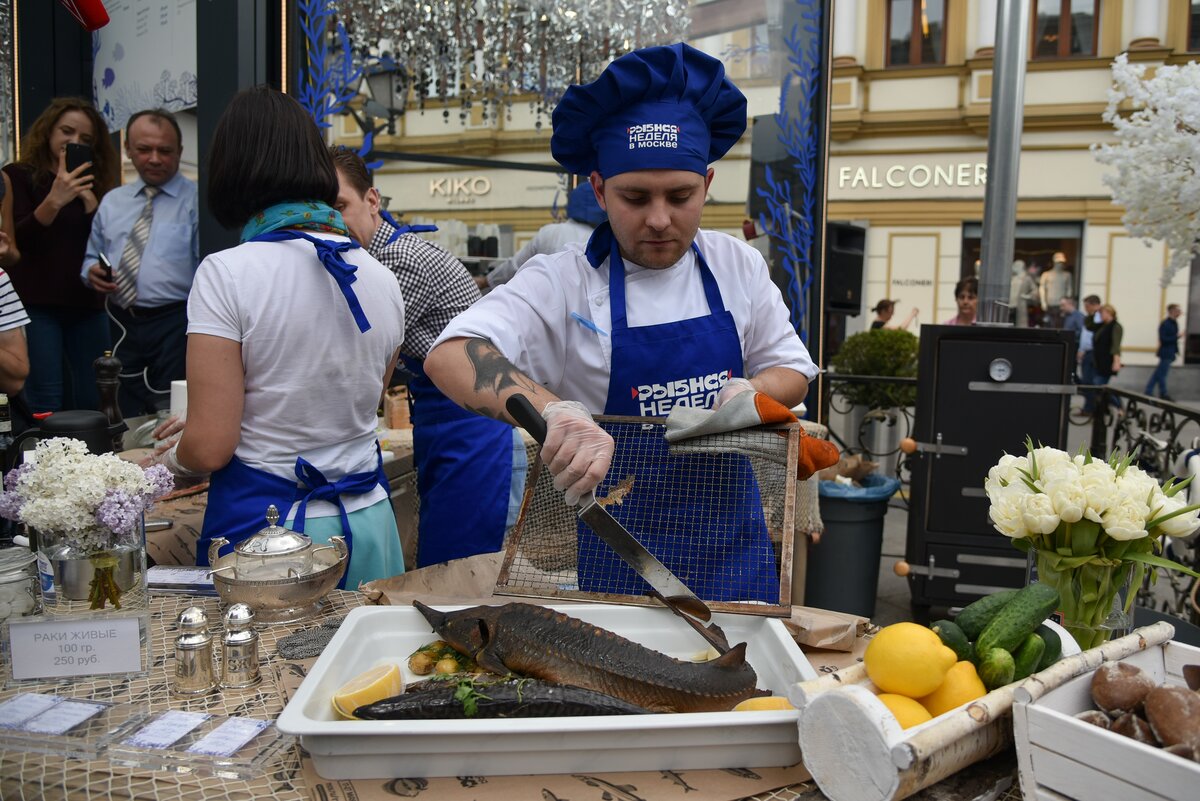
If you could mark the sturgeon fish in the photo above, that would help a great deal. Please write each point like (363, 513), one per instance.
(548, 645)
(497, 697)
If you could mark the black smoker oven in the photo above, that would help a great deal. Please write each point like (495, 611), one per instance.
(981, 391)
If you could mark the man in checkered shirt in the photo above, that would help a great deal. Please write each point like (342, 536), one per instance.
(470, 469)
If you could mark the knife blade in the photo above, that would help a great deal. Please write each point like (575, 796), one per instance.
(665, 584)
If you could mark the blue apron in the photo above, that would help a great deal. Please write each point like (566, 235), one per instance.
(464, 471)
(238, 495)
(727, 555)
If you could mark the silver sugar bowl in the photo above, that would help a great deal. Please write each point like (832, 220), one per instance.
(278, 572)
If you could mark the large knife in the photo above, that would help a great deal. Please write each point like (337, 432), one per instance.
(664, 584)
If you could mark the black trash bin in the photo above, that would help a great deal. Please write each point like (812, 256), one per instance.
(843, 568)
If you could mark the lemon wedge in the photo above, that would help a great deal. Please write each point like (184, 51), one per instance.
(376, 684)
(763, 703)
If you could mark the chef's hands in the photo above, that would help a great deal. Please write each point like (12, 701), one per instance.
(733, 387)
(577, 451)
(166, 436)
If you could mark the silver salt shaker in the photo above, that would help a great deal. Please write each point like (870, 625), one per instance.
(194, 673)
(239, 649)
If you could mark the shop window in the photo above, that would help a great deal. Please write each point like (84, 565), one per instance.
(916, 32)
(1065, 28)
(1194, 27)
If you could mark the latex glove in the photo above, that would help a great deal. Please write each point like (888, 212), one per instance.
(167, 435)
(732, 388)
(577, 451)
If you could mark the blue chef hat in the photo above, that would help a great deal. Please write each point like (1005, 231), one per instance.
(657, 108)
(582, 206)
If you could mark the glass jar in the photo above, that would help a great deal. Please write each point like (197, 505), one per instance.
(20, 594)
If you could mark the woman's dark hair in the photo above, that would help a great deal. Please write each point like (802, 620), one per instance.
(35, 145)
(969, 284)
(351, 165)
(266, 150)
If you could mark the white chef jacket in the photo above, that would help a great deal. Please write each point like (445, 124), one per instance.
(545, 319)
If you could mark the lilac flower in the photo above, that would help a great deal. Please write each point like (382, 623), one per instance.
(160, 479)
(10, 505)
(119, 511)
(14, 475)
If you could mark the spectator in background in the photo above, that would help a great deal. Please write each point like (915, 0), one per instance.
(1168, 349)
(52, 210)
(1086, 357)
(1072, 320)
(583, 215)
(149, 231)
(9, 255)
(14, 356)
(1106, 347)
(966, 295)
(885, 310)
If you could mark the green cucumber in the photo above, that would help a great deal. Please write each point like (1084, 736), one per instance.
(1019, 618)
(1028, 656)
(1053, 647)
(996, 668)
(953, 638)
(977, 614)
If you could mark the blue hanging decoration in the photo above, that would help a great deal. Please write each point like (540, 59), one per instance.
(331, 80)
(790, 219)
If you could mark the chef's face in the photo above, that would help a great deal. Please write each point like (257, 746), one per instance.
(654, 213)
(360, 211)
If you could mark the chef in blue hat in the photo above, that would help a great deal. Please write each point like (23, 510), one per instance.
(654, 313)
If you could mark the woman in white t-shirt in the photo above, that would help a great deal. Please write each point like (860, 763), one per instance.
(292, 337)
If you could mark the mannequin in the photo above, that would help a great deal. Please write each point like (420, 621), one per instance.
(1022, 291)
(1056, 284)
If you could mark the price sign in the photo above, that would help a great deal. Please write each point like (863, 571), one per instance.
(47, 650)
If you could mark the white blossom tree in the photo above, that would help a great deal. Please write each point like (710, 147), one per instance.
(1157, 155)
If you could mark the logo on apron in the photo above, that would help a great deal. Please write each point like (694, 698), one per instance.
(698, 391)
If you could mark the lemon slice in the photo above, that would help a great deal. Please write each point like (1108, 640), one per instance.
(376, 684)
(763, 703)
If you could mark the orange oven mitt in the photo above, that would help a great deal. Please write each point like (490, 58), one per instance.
(746, 410)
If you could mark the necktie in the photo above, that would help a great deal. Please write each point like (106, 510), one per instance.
(131, 257)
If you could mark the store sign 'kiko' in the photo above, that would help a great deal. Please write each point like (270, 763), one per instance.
(460, 190)
(920, 176)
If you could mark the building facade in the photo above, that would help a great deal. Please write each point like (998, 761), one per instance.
(909, 117)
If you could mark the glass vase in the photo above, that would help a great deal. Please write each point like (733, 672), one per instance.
(94, 571)
(1093, 597)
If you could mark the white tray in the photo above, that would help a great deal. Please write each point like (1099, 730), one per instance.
(356, 749)
(1059, 756)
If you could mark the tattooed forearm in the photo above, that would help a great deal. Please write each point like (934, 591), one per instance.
(486, 411)
(494, 372)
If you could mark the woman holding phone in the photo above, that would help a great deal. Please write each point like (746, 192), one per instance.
(67, 164)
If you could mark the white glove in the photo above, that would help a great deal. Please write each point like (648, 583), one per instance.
(577, 451)
(733, 387)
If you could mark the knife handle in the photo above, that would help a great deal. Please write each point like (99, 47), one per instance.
(527, 417)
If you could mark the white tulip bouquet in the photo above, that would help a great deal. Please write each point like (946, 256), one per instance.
(1094, 527)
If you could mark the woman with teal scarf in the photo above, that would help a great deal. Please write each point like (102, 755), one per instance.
(292, 338)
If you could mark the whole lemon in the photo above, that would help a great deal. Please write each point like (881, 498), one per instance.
(906, 710)
(961, 685)
(908, 659)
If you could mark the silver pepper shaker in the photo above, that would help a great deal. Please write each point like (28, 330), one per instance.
(193, 655)
(239, 649)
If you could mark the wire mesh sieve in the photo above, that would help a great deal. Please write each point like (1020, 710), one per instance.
(718, 511)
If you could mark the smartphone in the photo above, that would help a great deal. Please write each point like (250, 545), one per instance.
(107, 265)
(78, 154)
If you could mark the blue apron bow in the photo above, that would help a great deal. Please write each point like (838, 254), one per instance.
(315, 487)
(404, 228)
(330, 254)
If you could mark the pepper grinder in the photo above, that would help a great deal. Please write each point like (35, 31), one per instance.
(239, 649)
(193, 655)
(108, 386)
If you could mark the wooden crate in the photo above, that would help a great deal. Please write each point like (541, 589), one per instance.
(1061, 757)
(856, 751)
